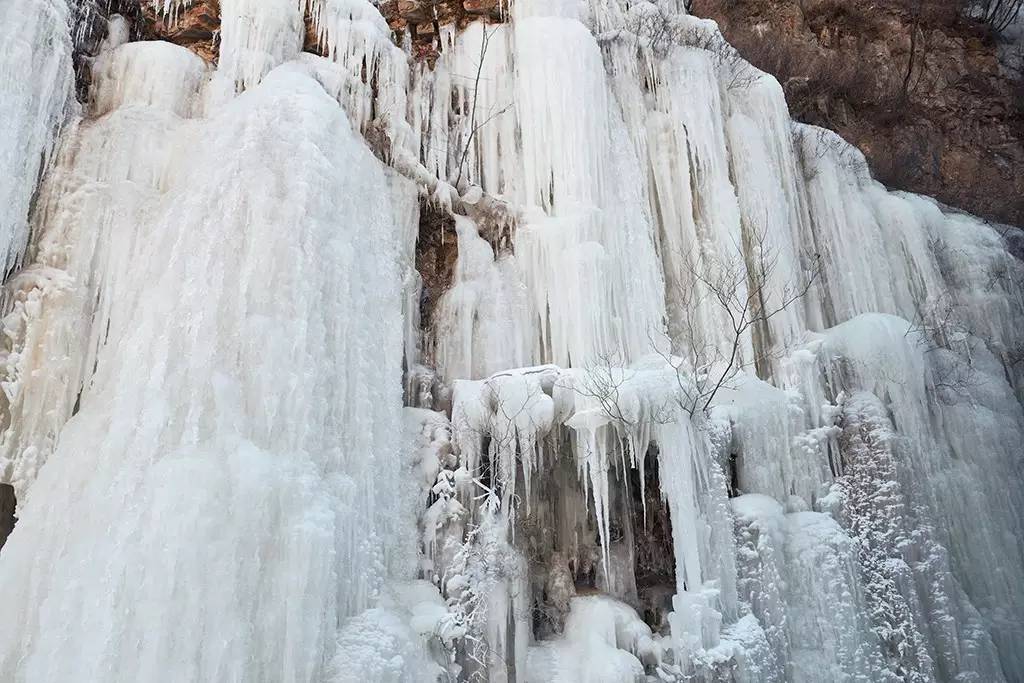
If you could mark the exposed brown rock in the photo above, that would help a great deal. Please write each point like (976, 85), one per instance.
(957, 135)
(195, 27)
(437, 248)
(422, 20)
(431, 13)
(7, 519)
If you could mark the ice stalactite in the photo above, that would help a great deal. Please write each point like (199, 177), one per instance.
(580, 230)
(510, 410)
(38, 89)
(364, 69)
(481, 317)
(595, 231)
(76, 290)
(727, 175)
(642, 290)
(255, 36)
(242, 388)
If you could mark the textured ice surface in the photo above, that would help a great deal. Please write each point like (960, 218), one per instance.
(36, 84)
(604, 641)
(243, 413)
(203, 348)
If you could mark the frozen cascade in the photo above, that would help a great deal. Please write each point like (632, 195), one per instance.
(282, 404)
(37, 83)
(90, 206)
(687, 394)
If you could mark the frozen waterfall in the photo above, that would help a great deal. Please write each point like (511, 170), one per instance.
(542, 348)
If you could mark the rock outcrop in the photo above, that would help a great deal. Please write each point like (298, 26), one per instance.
(422, 20)
(7, 508)
(195, 26)
(916, 86)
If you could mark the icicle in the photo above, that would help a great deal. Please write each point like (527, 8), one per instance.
(480, 317)
(92, 209)
(261, 386)
(36, 92)
(169, 10)
(255, 37)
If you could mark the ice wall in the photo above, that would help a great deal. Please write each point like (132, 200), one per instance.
(723, 177)
(37, 89)
(698, 399)
(234, 422)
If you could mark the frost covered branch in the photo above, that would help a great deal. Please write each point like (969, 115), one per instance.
(474, 127)
(659, 31)
(740, 286)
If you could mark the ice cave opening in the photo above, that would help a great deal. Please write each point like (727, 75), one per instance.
(557, 535)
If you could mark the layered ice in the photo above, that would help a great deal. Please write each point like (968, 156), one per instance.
(700, 400)
(230, 382)
(35, 96)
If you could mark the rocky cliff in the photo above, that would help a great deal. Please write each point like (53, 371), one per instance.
(917, 86)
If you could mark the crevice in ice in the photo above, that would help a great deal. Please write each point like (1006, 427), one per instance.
(650, 526)
(98, 25)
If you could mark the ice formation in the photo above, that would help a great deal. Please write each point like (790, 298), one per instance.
(693, 397)
(37, 90)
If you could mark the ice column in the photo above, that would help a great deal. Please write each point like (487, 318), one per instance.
(227, 472)
(36, 89)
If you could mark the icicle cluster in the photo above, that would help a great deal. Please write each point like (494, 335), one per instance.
(36, 90)
(700, 399)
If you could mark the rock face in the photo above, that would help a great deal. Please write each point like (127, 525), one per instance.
(7, 519)
(935, 114)
(422, 18)
(194, 27)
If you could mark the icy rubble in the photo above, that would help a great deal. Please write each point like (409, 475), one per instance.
(202, 360)
(604, 640)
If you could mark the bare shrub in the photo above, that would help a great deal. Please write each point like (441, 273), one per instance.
(825, 144)
(996, 15)
(819, 84)
(660, 32)
(742, 286)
